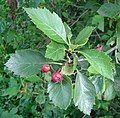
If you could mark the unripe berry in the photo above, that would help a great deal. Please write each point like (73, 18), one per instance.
(57, 77)
(45, 68)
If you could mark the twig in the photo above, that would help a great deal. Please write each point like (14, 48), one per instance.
(111, 50)
(82, 59)
(78, 18)
(98, 34)
(116, 58)
(77, 6)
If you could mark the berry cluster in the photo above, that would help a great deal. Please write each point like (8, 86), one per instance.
(56, 75)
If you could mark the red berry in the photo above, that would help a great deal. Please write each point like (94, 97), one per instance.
(57, 77)
(99, 47)
(45, 68)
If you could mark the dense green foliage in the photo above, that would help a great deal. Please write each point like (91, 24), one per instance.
(65, 34)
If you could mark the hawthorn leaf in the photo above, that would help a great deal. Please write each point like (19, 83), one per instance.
(99, 21)
(13, 88)
(84, 94)
(50, 23)
(109, 93)
(40, 98)
(47, 76)
(99, 83)
(33, 78)
(117, 86)
(109, 10)
(84, 35)
(67, 69)
(61, 93)
(100, 62)
(7, 114)
(92, 70)
(68, 31)
(26, 62)
(75, 61)
(55, 51)
(118, 35)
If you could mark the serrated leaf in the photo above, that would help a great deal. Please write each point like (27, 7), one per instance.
(7, 114)
(33, 78)
(99, 83)
(26, 62)
(48, 76)
(118, 35)
(67, 69)
(117, 85)
(61, 93)
(55, 51)
(13, 88)
(84, 35)
(109, 93)
(109, 10)
(11, 91)
(99, 21)
(50, 23)
(100, 61)
(92, 70)
(40, 98)
(84, 94)
(68, 31)
(75, 61)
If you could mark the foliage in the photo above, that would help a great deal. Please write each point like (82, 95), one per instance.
(63, 34)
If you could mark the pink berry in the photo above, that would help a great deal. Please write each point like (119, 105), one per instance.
(57, 77)
(45, 68)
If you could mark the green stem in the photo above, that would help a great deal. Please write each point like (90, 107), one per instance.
(56, 63)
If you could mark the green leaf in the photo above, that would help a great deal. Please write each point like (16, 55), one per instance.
(84, 35)
(50, 23)
(75, 61)
(99, 21)
(40, 98)
(7, 114)
(13, 88)
(118, 35)
(26, 62)
(11, 91)
(99, 83)
(109, 93)
(48, 76)
(100, 62)
(117, 85)
(109, 10)
(1, 78)
(67, 69)
(33, 78)
(84, 96)
(55, 51)
(68, 31)
(61, 93)
(92, 70)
